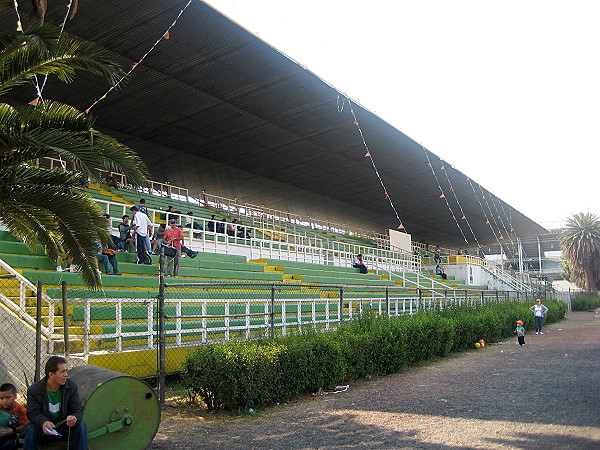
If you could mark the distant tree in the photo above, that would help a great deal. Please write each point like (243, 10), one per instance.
(580, 244)
(567, 275)
(50, 208)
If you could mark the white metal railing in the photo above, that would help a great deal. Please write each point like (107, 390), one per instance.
(261, 316)
(274, 244)
(19, 308)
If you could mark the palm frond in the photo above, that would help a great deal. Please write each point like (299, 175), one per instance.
(47, 208)
(22, 63)
(56, 130)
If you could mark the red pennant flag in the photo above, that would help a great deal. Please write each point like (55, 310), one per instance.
(401, 227)
(442, 196)
(487, 222)
(87, 111)
(442, 168)
(356, 122)
(451, 188)
(167, 35)
(454, 217)
(463, 217)
(483, 197)
(501, 237)
(367, 154)
(35, 101)
(468, 179)
(387, 195)
(498, 216)
(429, 164)
(512, 231)
(134, 65)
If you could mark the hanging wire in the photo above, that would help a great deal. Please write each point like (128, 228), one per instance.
(464, 216)
(487, 220)
(368, 154)
(442, 195)
(136, 64)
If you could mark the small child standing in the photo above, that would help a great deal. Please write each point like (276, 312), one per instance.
(520, 330)
(9, 405)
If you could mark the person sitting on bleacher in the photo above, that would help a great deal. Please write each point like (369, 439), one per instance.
(221, 226)
(109, 229)
(109, 258)
(159, 237)
(232, 228)
(210, 225)
(439, 270)
(359, 264)
(171, 214)
(193, 224)
(125, 239)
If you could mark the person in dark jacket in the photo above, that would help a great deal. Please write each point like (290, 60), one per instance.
(54, 409)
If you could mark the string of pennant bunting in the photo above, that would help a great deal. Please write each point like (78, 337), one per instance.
(442, 195)
(463, 215)
(487, 220)
(340, 108)
(166, 35)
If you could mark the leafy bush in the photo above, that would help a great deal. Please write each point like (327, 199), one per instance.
(241, 374)
(586, 303)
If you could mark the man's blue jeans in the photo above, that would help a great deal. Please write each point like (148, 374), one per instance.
(77, 436)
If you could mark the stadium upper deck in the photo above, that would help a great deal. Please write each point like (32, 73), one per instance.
(215, 108)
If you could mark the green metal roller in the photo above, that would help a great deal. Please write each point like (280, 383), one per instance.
(120, 411)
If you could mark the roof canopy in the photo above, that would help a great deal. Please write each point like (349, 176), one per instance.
(215, 108)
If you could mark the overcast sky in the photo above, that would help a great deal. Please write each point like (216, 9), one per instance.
(508, 92)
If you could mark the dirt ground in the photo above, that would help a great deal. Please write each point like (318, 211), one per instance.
(541, 396)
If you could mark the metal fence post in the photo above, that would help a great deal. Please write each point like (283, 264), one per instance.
(161, 327)
(38, 332)
(65, 314)
(387, 301)
(273, 310)
(341, 305)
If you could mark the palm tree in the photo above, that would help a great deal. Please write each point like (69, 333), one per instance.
(50, 208)
(580, 243)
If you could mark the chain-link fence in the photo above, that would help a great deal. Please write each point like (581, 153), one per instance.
(147, 330)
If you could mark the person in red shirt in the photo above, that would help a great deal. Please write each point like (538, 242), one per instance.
(174, 238)
(8, 404)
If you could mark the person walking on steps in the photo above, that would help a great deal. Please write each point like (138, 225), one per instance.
(539, 311)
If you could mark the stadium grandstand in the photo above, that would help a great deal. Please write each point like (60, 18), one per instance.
(231, 127)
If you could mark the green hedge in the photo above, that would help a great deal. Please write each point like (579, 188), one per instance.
(586, 303)
(241, 374)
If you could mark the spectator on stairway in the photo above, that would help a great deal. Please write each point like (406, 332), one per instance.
(358, 263)
(126, 241)
(142, 231)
